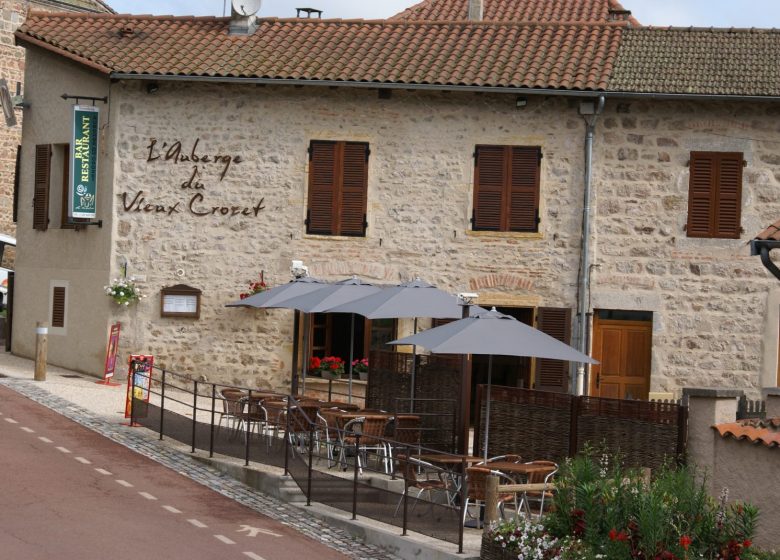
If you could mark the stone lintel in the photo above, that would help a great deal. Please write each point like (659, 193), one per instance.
(712, 392)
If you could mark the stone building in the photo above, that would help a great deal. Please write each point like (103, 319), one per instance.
(12, 15)
(467, 152)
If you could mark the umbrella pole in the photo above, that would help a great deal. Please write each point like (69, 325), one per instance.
(487, 408)
(306, 320)
(414, 371)
(351, 354)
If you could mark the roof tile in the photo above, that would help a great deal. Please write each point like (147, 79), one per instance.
(766, 432)
(772, 233)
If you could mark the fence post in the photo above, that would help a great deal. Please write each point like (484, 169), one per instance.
(311, 460)
(287, 439)
(477, 452)
(132, 394)
(491, 501)
(576, 403)
(247, 426)
(194, 413)
(41, 346)
(407, 465)
(162, 405)
(213, 410)
(355, 478)
(682, 433)
(463, 496)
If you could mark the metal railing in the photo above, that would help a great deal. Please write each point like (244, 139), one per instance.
(342, 466)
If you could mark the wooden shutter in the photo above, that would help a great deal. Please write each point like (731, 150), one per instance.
(354, 187)
(58, 307)
(65, 189)
(715, 195)
(728, 210)
(41, 191)
(523, 211)
(322, 187)
(553, 375)
(489, 180)
(16, 183)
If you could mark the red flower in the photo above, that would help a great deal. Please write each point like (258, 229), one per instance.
(747, 543)
(613, 534)
(315, 363)
(685, 541)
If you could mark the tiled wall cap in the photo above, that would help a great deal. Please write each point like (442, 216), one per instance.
(712, 392)
(770, 391)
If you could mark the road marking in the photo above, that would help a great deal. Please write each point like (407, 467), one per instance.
(28, 430)
(224, 539)
(83, 461)
(103, 471)
(11, 421)
(253, 556)
(123, 483)
(147, 495)
(63, 449)
(171, 509)
(45, 439)
(253, 531)
(197, 523)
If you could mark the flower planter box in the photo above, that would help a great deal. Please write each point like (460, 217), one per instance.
(330, 375)
(493, 551)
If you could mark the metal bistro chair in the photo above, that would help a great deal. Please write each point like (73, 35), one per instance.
(231, 407)
(372, 439)
(406, 435)
(303, 418)
(417, 474)
(476, 481)
(252, 413)
(545, 477)
(347, 439)
(511, 458)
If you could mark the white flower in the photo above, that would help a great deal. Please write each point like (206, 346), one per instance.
(127, 303)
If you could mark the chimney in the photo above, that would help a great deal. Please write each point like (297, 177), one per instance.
(475, 10)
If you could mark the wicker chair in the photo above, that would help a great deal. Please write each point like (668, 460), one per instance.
(418, 475)
(251, 413)
(406, 435)
(511, 458)
(476, 481)
(231, 407)
(545, 477)
(303, 420)
(372, 439)
(347, 439)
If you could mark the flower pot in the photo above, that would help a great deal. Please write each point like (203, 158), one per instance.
(363, 375)
(330, 374)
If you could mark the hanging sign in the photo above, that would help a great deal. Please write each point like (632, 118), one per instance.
(139, 382)
(111, 349)
(83, 163)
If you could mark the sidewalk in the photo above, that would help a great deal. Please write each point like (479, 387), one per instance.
(101, 408)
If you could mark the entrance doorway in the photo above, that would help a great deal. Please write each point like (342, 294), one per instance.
(330, 335)
(622, 343)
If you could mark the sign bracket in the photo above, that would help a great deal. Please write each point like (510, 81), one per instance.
(78, 98)
(80, 225)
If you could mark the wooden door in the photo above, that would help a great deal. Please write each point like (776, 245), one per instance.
(623, 349)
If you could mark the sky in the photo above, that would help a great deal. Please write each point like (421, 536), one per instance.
(702, 13)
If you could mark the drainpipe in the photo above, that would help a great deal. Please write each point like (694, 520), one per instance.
(762, 248)
(590, 112)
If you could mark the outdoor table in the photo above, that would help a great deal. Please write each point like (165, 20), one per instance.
(517, 469)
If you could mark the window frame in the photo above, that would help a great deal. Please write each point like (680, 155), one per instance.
(716, 197)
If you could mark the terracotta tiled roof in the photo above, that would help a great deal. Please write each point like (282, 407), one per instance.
(772, 233)
(559, 11)
(766, 432)
(699, 61)
(565, 56)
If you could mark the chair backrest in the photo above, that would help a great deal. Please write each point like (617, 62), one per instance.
(409, 467)
(476, 478)
(303, 416)
(373, 429)
(354, 426)
(231, 401)
(407, 429)
(541, 475)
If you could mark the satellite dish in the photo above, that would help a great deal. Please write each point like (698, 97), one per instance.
(7, 103)
(246, 7)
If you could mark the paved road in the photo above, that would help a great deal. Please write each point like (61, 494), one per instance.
(67, 492)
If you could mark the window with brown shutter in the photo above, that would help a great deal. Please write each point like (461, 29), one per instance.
(338, 184)
(58, 307)
(506, 188)
(41, 191)
(553, 375)
(715, 195)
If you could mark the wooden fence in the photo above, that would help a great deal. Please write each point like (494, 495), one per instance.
(541, 425)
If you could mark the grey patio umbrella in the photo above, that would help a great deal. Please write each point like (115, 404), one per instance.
(329, 295)
(271, 299)
(408, 300)
(493, 333)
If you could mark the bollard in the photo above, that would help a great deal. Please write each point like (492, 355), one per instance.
(491, 501)
(41, 345)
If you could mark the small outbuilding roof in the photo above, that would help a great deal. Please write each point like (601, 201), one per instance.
(772, 233)
(766, 432)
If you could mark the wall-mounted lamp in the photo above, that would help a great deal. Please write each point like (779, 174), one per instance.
(521, 102)
(152, 87)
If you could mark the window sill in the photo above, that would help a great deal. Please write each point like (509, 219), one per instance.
(505, 234)
(333, 237)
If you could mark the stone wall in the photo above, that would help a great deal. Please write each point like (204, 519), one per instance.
(419, 191)
(709, 296)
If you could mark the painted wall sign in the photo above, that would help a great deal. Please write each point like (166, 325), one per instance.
(199, 163)
(82, 199)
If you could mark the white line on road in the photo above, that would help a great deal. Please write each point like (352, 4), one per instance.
(197, 523)
(253, 556)
(63, 449)
(83, 460)
(11, 421)
(147, 495)
(28, 430)
(123, 483)
(171, 509)
(103, 471)
(224, 539)
(45, 439)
